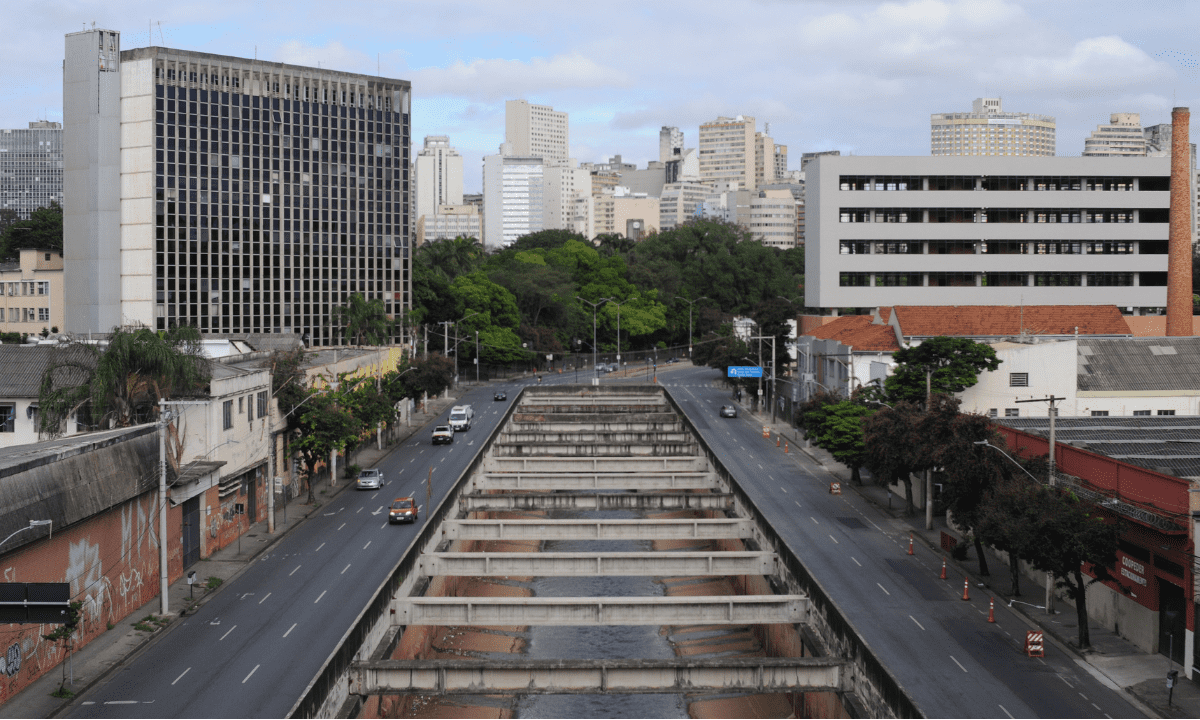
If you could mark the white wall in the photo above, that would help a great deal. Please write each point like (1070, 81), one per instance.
(1051, 368)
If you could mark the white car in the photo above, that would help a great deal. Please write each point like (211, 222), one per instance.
(369, 479)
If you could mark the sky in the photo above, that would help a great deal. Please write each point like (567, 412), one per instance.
(856, 76)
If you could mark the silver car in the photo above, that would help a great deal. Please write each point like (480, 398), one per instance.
(369, 479)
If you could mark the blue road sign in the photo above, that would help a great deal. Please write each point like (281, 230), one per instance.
(744, 371)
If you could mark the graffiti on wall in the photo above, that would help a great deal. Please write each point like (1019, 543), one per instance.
(10, 662)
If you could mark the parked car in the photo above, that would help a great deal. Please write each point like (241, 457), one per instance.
(500, 395)
(443, 435)
(403, 509)
(728, 411)
(369, 479)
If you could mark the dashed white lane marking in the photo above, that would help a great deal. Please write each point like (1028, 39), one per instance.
(294, 571)
(260, 602)
(251, 673)
(856, 562)
(341, 526)
(956, 662)
(1006, 712)
(227, 632)
(797, 503)
(1060, 677)
(185, 672)
(881, 587)
(835, 542)
(910, 617)
(319, 547)
(1097, 707)
(358, 511)
(1085, 697)
(810, 517)
(343, 572)
(783, 489)
(367, 545)
(383, 526)
(289, 632)
(121, 702)
(320, 596)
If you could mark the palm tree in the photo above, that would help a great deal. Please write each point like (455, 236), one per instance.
(364, 320)
(120, 384)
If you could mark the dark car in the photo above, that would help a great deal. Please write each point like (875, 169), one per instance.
(728, 411)
(500, 395)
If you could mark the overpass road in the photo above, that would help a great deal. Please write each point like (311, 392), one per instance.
(942, 650)
(252, 650)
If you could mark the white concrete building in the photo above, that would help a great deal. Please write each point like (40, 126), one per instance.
(1121, 137)
(439, 175)
(727, 151)
(988, 130)
(670, 144)
(564, 185)
(987, 231)
(200, 190)
(513, 198)
(771, 218)
(536, 131)
(680, 202)
(450, 221)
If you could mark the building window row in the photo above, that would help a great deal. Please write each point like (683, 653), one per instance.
(1002, 279)
(1001, 247)
(1002, 215)
(885, 183)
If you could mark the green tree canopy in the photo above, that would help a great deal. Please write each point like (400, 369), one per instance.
(120, 385)
(896, 446)
(955, 364)
(838, 428)
(364, 321)
(43, 230)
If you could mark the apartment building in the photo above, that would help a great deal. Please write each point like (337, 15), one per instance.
(32, 291)
(228, 193)
(564, 185)
(439, 175)
(1121, 137)
(680, 202)
(771, 218)
(727, 152)
(987, 231)
(513, 197)
(31, 167)
(450, 221)
(536, 131)
(988, 130)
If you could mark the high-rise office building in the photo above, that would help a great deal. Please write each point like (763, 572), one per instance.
(670, 144)
(31, 167)
(439, 175)
(230, 194)
(513, 205)
(988, 130)
(536, 131)
(563, 186)
(1121, 137)
(727, 152)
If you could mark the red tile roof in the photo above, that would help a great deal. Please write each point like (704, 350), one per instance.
(859, 333)
(997, 320)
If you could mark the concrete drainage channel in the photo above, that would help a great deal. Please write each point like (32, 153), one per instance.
(593, 526)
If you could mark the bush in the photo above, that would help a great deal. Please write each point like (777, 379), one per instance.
(352, 471)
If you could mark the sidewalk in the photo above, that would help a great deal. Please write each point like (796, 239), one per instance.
(111, 650)
(1140, 674)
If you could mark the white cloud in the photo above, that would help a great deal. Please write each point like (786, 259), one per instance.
(493, 79)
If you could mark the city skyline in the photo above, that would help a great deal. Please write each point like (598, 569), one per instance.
(861, 78)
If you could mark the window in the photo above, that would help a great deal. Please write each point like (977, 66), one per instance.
(1166, 412)
(262, 404)
(1099, 413)
(43, 314)
(1012, 412)
(8, 417)
(993, 413)
(227, 415)
(1141, 412)
(241, 405)
(1018, 379)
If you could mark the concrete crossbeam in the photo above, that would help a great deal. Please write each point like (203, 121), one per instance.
(615, 564)
(580, 611)
(648, 529)
(545, 677)
(608, 436)
(597, 449)
(694, 463)
(597, 481)
(597, 501)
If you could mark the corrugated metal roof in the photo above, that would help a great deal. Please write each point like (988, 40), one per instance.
(1133, 364)
(1157, 442)
(24, 366)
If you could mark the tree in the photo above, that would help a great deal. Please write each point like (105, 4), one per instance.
(895, 447)
(839, 429)
(1068, 536)
(1007, 521)
(364, 320)
(288, 383)
(62, 634)
(121, 384)
(955, 364)
(326, 424)
(42, 231)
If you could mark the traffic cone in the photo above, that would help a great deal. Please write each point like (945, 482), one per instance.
(966, 588)
(992, 610)
(943, 575)
(910, 544)
(777, 439)
(785, 452)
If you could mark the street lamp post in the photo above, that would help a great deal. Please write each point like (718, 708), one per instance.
(690, 304)
(32, 524)
(618, 304)
(594, 305)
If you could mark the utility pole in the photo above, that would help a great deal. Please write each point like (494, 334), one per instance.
(690, 304)
(760, 338)
(476, 357)
(162, 497)
(594, 305)
(928, 471)
(1053, 414)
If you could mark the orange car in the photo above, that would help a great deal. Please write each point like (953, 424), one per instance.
(403, 509)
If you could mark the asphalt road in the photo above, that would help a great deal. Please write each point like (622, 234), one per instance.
(253, 648)
(942, 650)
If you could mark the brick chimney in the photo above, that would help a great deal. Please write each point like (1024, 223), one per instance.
(1179, 258)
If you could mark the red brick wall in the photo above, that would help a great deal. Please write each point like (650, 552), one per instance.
(1179, 258)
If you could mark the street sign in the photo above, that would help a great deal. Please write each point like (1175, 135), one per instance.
(34, 602)
(745, 371)
(1035, 643)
